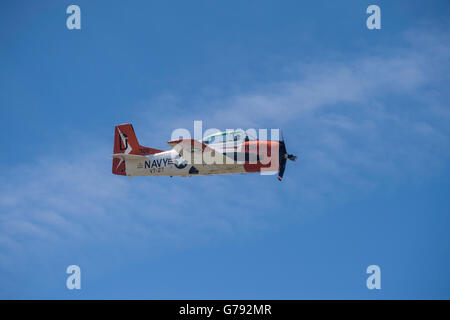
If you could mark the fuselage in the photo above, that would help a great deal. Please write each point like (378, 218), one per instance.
(170, 163)
(222, 153)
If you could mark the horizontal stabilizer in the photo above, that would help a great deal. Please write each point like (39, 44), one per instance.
(124, 156)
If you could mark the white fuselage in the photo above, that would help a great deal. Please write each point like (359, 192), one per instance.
(170, 163)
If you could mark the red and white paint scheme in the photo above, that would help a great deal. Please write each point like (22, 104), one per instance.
(221, 153)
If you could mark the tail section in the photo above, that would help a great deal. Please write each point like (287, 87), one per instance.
(125, 141)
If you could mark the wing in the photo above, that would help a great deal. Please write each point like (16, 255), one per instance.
(196, 152)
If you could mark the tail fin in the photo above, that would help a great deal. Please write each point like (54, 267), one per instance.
(125, 141)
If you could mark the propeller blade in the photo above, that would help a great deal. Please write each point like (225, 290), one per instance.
(283, 156)
(282, 168)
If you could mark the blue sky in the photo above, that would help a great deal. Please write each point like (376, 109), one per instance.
(366, 111)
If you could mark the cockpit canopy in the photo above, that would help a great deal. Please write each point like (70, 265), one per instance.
(228, 136)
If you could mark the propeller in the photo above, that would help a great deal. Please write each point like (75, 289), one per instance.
(283, 157)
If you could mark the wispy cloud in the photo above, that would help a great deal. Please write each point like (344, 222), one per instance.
(384, 113)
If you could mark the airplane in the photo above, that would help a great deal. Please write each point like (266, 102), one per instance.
(228, 152)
